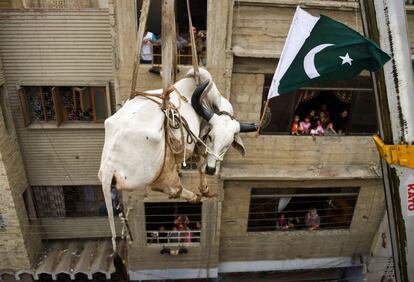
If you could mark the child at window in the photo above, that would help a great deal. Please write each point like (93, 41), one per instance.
(295, 126)
(281, 222)
(305, 125)
(318, 129)
(330, 131)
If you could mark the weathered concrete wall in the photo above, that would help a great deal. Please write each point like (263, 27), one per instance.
(238, 245)
(57, 47)
(19, 241)
(263, 26)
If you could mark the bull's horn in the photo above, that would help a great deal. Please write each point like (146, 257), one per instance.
(196, 103)
(248, 127)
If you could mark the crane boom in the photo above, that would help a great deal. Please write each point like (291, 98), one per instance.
(385, 22)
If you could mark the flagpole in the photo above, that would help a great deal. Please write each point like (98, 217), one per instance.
(266, 106)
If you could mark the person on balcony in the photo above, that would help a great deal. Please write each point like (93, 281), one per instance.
(296, 130)
(282, 222)
(317, 129)
(146, 50)
(306, 126)
(330, 131)
(341, 122)
(312, 219)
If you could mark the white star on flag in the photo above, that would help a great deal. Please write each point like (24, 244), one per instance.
(346, 59)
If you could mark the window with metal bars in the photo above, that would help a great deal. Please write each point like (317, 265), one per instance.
(285, 209)
(68, 201)
(64, 104)
(173, 223)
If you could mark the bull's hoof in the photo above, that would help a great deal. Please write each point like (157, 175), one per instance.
(204, 191)
(213, 195)
(174, 195)
(177, 194)
(196, 199)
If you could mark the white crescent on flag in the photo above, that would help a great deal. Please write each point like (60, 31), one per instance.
(309, 60)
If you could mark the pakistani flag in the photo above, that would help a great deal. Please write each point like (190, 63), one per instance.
(319, 49)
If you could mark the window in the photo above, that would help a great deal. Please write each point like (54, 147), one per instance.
(333, 108)
(3, 108)
(288, 209)
(60, 104)
(69, 201)
(199, 19)
(173, 223)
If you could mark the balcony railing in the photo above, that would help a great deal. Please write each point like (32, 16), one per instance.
(184, 56)
(174, 238)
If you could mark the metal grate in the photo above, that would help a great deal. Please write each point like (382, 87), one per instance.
(41, 103)
(78, 106)
(389, 274)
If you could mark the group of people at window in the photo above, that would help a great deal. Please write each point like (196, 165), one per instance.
(182, 40)
(320, 122)
(311, 221)
(182, 231)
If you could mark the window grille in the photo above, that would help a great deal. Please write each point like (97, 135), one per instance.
(173, 223)
(69, 201)
(64, 104)
(286, 209)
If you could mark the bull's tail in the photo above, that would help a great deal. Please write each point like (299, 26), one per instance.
(106, 176)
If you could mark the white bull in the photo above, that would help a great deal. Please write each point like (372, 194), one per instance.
(135, 154)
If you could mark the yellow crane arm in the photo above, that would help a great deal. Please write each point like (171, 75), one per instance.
(401, 155)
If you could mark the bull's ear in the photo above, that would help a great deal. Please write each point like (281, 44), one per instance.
(238, 145)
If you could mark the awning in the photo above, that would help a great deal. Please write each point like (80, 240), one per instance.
(71, 259)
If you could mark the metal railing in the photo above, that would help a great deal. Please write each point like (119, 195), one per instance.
(178, 238)
(183, 55)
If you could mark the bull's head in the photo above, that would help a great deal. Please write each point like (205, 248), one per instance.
(223, 132)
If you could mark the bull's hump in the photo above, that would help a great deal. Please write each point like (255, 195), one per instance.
(137, 111)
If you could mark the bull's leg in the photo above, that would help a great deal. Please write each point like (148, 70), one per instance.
(180, 192)
(203, 187)
(174, 188)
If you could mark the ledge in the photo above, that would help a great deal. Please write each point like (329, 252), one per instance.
(302, 173)
(74, 125)
(328, 5)
(86, 227)
(295, 233)
(239, 51)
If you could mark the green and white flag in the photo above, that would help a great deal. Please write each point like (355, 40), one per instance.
(320, 49)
